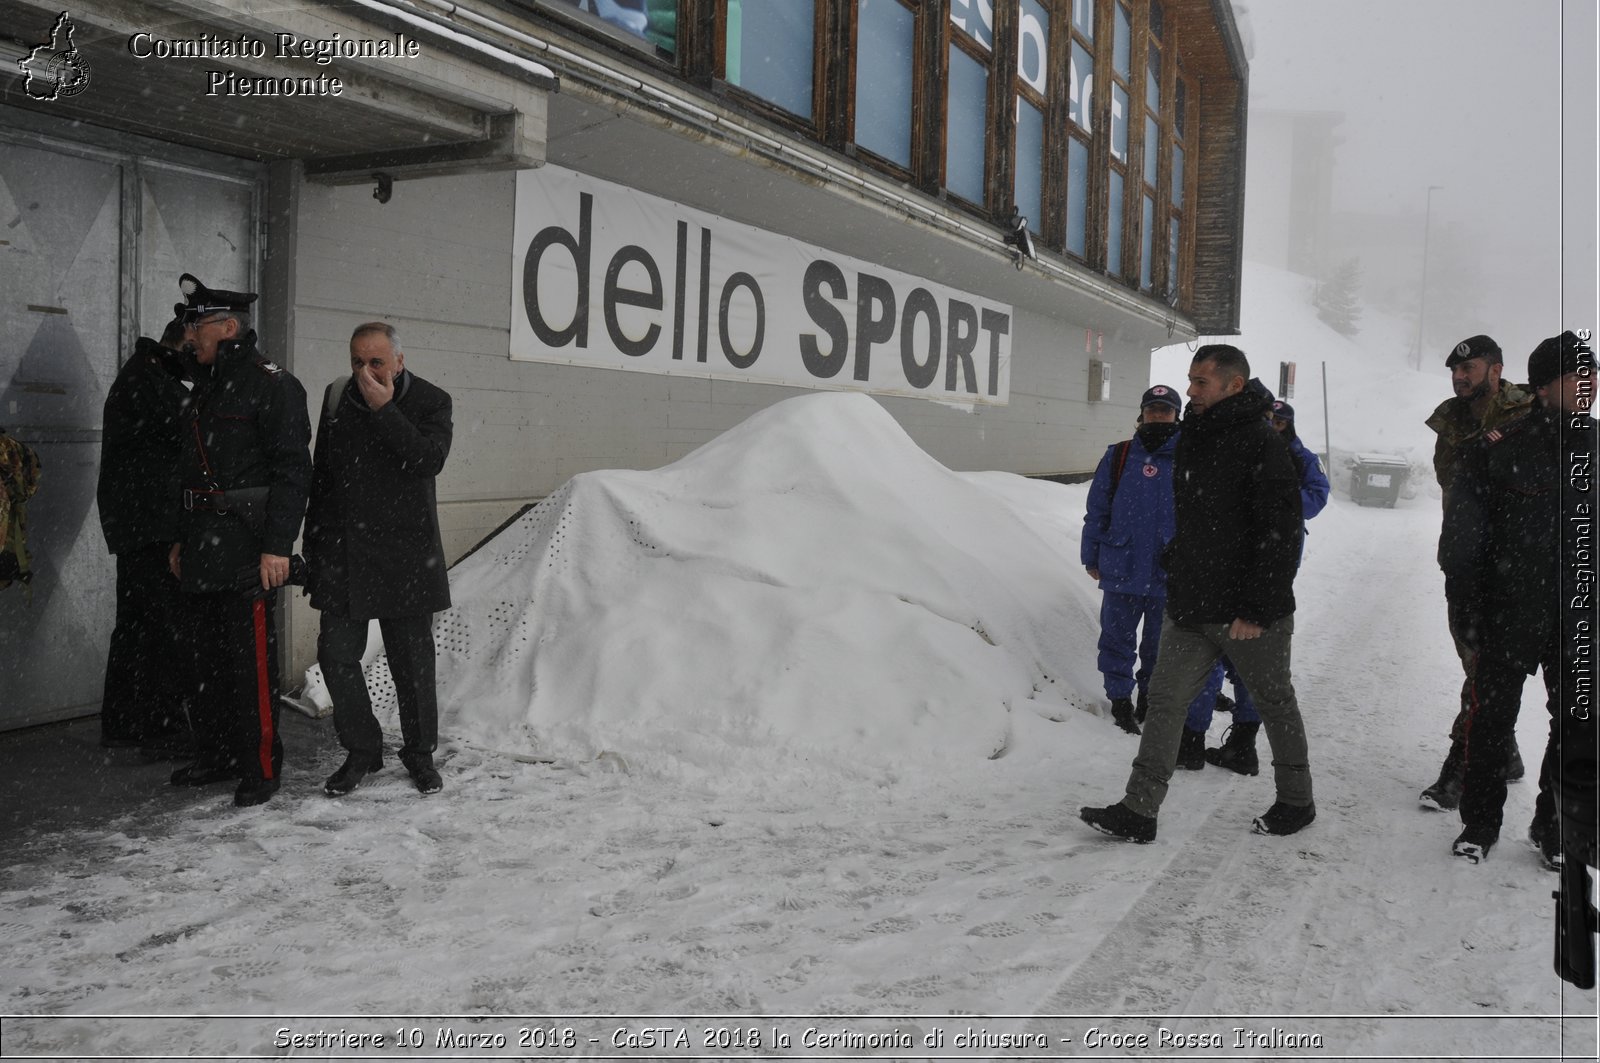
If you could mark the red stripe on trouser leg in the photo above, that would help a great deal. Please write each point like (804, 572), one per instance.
(263, 693)
(1472, 714)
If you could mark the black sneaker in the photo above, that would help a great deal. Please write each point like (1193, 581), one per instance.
(350, 773)
(1545, 838)
(1192, 750)
(1120, 821)
(254, 792)
(1285, 819)
(1474, 843)
(1122, 715)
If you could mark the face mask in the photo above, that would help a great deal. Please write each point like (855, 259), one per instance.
(1154, 435)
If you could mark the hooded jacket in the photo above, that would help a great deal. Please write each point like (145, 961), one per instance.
(1456, 426)
(1239, 526)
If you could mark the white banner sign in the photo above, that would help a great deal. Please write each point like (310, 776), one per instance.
(606, 276)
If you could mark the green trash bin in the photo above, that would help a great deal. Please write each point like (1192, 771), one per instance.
(1376, 479)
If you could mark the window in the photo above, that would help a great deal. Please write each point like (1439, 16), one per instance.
(636, 22)
(1080, 125)
(1033, 81)
(1150, 144)
(769, 48)
(885, 89)
(1121, 117)
(966, 127)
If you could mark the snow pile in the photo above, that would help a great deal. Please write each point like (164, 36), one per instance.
(809, 580)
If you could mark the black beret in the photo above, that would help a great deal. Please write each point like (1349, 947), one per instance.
(1473, 347)
(1556, 357)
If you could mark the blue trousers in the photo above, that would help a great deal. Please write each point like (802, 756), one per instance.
(1122, 644)
(1202, 708)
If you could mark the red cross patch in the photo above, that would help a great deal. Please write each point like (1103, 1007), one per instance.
(1151, 470)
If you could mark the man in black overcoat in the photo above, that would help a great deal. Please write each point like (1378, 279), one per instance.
(149, 666)
(1230, 591)
(246, 468)
(1507, 581)
(373, 550)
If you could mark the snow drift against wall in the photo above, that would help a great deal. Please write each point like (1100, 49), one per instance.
(808, 582)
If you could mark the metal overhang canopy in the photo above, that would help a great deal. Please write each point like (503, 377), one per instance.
(236, 78)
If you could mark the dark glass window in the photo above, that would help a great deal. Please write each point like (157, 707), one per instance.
(1172, 256)
(1152, 149)
(1119, 123)
(1080, 95)
(1177, 176)
(1077, 197)
(650, 21)
(884, 79)
(1114, 226)
(1033, 45)
(1147, 241)
(1083, 17)
(975, 18)
(770, 45)
(1030, 164)
(966, 125)
(1122, 42)
(1152, 80)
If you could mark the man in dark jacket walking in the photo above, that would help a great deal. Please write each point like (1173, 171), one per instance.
(374, 553)
(1230, 590)
(149, 667)
(247, 465)
(1502, 556)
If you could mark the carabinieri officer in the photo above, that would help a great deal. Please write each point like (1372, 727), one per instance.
(246, 471)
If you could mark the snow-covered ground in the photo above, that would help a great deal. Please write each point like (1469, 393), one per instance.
(791, 735)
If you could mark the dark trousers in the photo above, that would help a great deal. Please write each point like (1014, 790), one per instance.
(1490, 731)
(408, 643)
(149, 665)
(1124, 642)
(236, 662)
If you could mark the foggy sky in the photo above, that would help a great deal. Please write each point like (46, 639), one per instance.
(1472, 96)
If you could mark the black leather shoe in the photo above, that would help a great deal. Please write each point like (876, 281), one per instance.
(254, 792)
(423, 774)
(350, 773)
(205, 771)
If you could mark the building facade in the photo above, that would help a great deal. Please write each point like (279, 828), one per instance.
(610, 228)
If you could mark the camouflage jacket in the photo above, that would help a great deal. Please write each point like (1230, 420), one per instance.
(1456, 426)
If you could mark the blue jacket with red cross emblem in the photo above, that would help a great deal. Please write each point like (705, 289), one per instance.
(1129, 518)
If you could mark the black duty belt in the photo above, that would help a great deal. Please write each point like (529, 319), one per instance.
(212, 501)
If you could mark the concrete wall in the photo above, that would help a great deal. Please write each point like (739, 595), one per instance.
(436, 263)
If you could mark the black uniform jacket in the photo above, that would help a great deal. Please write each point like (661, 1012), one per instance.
(141, 446)
(247, 428)
(372, 532)
(1236, 500)
(1501, 547)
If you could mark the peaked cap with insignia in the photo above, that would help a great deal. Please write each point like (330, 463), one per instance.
(200, 300)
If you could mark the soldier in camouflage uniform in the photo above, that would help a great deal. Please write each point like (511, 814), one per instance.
(1482, 401)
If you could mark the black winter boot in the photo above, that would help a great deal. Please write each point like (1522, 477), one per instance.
(1122, 715)
(1445, 794)
(1192, 750)
(1238, 750)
